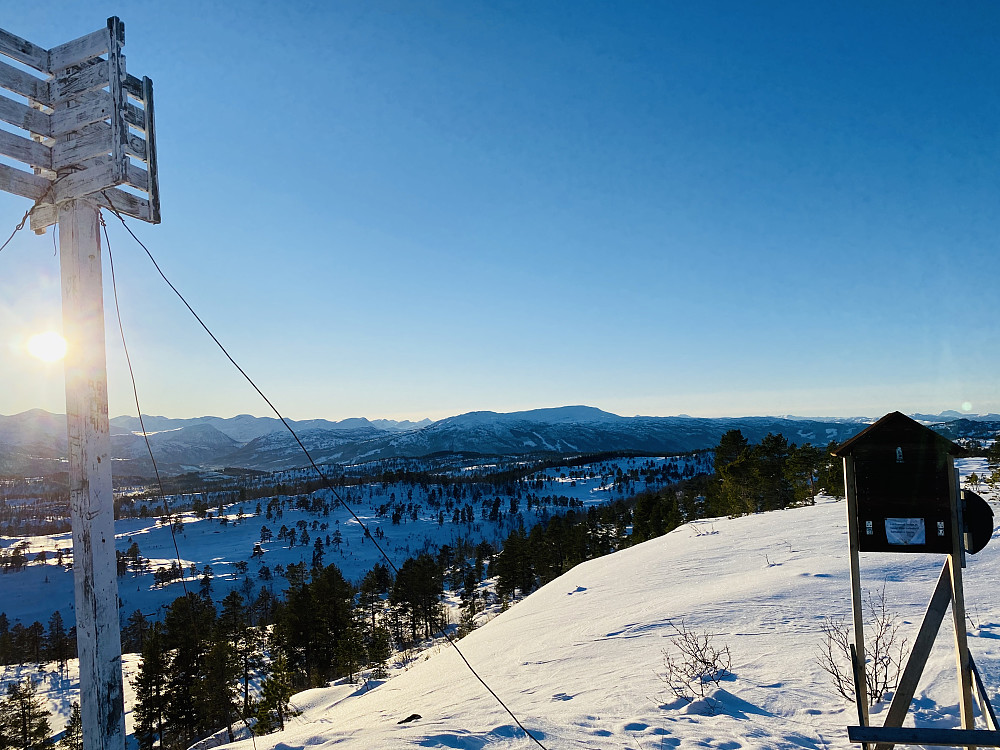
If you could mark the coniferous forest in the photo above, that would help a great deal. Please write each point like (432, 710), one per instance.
(209, 665)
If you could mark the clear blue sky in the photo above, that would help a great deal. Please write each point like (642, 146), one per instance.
(410, 209)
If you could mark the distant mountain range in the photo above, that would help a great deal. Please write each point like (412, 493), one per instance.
(34, 442)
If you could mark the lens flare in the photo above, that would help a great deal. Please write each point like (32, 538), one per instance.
(48, 346)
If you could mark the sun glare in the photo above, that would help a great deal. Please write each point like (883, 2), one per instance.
(48, 346)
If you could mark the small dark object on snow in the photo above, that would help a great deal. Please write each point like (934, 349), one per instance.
(408, 719)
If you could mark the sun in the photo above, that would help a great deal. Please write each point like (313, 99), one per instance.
(48, 346)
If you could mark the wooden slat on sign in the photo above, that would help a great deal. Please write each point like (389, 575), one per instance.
(25, 117)
(24, 51)
(78, 80)
(90, 141)
(95, 107)
(79, 50)
(22, 183)
(119, 99)
(25, 84)
(154, 175)
(136, 147)
(137, 177)
(43, 215)
(133, 87)
(25, 150)
(125, 203)
(135, 116)
(81, 184)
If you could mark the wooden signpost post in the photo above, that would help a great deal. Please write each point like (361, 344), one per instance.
(88, 142)
(903, 496)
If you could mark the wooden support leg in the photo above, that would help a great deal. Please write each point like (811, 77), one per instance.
(929, 628)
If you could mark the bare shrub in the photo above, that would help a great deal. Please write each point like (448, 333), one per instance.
(694, 663)
(885, 649)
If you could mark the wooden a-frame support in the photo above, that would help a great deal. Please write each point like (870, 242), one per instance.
(947, 591)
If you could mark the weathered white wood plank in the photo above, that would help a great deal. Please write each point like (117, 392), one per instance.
(96, 106)
(78, 80)
(133, 87)
(137, 177)
(18, 81)
(119, 99)
(43, 215)
(124, 203)
(136, 147)
(135, 116)
(24, 51)
(90, 141)
(85, 182)
(79, 50)
(25, 117)
(25, 150)
(91, 498)
(22, 183)
(154, 180)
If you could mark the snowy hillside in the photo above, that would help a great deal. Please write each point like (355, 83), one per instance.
(579, 660)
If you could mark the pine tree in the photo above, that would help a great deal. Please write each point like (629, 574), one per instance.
(248, 653)
(150, 689)
(25, 717)
(57, 642)
(276, 693)
(72, 738)
(188, 627)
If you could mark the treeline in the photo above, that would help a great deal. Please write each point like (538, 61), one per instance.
(199, 665)
(748, 478)
(528, 560)
(24, 721)
(770, 475)
(34, 644)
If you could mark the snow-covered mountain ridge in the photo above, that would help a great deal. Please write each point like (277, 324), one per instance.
(34, 442)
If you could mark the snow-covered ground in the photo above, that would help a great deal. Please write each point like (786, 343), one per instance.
(580, 661)
(34, 592)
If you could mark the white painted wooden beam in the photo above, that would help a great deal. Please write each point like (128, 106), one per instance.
(91, 498)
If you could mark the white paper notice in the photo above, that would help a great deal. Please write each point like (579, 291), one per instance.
(905, 531)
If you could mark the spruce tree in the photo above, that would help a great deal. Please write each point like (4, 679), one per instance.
(25, 717)
(72, 738)
(57, 642)
(276, 693)
(150, 685)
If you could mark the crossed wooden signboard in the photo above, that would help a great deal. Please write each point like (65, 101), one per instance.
(86, 139)
(903, 496)
(88, 126)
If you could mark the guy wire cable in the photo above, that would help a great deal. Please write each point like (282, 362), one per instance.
(142, 426)
(316, 468)
(17, 229)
